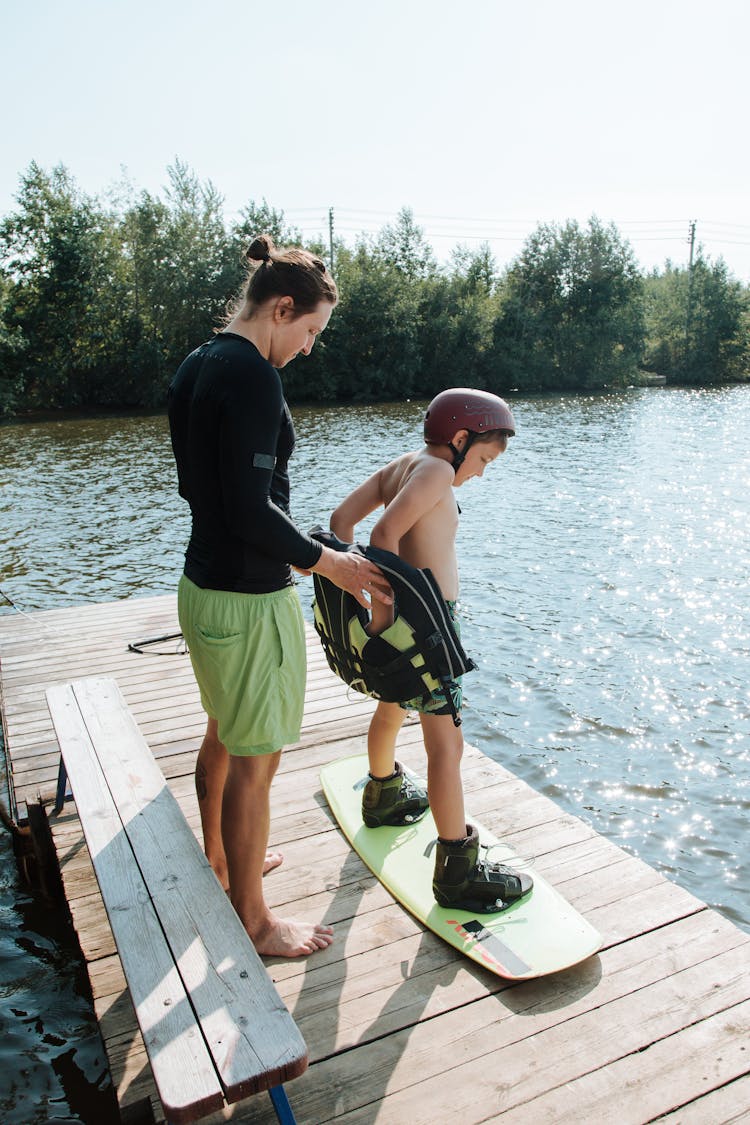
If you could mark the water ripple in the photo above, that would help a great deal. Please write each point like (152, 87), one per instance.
(604, 567)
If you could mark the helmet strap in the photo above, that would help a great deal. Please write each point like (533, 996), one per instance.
(459, 455)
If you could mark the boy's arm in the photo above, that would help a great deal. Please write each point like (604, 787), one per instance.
(358, 504)
(426, 487)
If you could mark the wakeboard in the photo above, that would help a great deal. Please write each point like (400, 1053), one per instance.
(537, 935)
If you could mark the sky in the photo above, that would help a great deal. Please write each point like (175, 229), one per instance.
(484, 117)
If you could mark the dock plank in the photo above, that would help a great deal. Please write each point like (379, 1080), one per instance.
(399, 1026)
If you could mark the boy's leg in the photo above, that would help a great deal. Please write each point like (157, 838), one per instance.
(462, 879)
(389, 797)
(385, 724)
(245, 820)
(210, 776)
(444, 744)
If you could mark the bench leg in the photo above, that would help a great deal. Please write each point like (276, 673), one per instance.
(62, 785)
(282, 1106)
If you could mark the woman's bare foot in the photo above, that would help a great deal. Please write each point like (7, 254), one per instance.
(280, 938)
(272, 861)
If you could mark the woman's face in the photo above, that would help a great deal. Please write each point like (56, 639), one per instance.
(294, 334)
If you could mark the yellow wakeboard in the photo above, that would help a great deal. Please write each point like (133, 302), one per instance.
(537, 935)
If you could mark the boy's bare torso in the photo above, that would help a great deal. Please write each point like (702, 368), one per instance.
(426, 483)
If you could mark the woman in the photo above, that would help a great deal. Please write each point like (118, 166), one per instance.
(232, 436)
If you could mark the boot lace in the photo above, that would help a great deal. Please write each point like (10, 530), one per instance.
(411, 787)
(485, 865)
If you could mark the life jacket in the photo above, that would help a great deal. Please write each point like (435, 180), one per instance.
(420, 653)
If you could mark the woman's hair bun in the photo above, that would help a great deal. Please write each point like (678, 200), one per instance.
(260, 249)
(285, 271)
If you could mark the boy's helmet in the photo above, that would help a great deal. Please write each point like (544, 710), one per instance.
(462, 409)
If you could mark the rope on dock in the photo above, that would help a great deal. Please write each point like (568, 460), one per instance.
(49, 629)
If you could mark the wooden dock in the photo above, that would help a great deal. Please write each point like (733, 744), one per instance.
(399, 1026)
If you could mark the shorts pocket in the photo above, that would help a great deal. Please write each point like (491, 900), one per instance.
(214, 638)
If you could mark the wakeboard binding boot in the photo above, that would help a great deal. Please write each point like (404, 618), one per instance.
(394, 801)
(464, 881)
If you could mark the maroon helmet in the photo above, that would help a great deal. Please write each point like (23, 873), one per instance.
(462, 409)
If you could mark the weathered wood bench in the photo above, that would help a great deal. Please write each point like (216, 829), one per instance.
(214, 1026)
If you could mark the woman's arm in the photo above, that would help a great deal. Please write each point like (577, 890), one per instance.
(250, 424)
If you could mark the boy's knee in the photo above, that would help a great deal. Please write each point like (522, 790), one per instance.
(442, 737)
(387, 715)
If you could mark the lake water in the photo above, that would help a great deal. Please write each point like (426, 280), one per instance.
(604, 565)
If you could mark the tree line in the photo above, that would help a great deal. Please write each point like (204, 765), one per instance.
(101, 299)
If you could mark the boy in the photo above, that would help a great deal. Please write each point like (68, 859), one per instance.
(464, 431)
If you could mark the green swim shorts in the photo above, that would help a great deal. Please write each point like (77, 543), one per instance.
(434, 703)
(249, 658)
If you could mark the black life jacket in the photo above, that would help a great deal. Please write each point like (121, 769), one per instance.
(418, 654)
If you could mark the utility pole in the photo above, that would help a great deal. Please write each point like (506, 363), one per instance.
(689, 306)
(330, 235)
(691, 239)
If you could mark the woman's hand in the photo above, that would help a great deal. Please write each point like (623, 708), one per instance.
(355, 574)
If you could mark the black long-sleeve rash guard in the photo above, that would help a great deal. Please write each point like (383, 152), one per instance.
(232, 436)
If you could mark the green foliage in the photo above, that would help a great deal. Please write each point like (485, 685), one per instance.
(107, 303)
(184, 269)
(370, 350)
(460, 311)
(11, 346)
(698, 324)
(403, 247)
(99, 304)
(62, 257)
(261, 218)
(572, 315)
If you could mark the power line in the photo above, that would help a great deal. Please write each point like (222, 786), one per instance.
(723, 223)
(503, 234)
(730, 241)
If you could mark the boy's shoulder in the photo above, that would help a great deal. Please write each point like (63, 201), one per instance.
(424, 463)
(418, 469)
